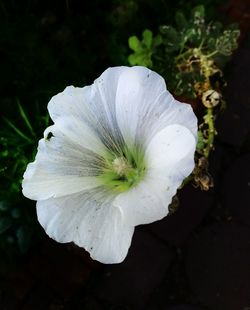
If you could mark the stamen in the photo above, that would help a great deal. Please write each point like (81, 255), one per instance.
(122, 171)
(121, 166)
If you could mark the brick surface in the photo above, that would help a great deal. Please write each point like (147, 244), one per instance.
(217, 266)
(176, 228)
(236, 190)
(132, 282)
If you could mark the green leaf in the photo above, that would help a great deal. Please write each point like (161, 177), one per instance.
(133, 59)
(5, 223)
(171, 38)
(134, 43)
(180, 20)
(216, 28)
(187, 36)
(25, 118)
(211, 43)
(141, 59)
(142, 50)
(18, 131)
(227, 43)
(157, 40)
(198, 11)
(147, 36)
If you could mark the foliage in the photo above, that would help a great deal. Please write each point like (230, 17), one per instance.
(188, 53)
(143, 49)
(47, 45)
(43, 49)
(191, 56)
(17, 149)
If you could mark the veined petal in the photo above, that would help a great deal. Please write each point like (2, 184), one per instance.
(62, 167)
(90, 221)
(144, 203)
(73, 102)
(144, 106)
(103, 105)
(106, 89)
(163, 112)
(169, 159)
(77, 132)
(103, 138)
(74, 114)
(90, 108)
(137, 90)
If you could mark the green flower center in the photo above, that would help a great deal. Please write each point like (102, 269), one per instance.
(123, 171)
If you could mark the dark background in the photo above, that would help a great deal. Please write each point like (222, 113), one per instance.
(197, 258)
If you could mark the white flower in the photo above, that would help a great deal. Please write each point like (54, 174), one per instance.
(114, 158)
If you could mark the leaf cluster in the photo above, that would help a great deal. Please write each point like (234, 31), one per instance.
(17, 148)
(143, 49)
(190, 55)
(182, 52)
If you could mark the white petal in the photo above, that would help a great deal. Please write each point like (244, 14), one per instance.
(71, 111)
(172, 148)
(144, 106)
(138, 88)
(144, 203)
(88, 221)
(164, 112)
(106, 88)
(130, 103)
(169, 159)
(61, 168)
(73, 101)
(77, 132)
(90, 108)
(103, 105)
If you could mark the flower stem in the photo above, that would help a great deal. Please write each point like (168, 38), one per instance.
(211, 54)
(189, 51)
(211, 132)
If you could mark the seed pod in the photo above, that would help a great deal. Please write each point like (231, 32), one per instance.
(211, 98)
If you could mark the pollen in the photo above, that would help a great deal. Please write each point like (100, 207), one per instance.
(122, 170)
(121, 166)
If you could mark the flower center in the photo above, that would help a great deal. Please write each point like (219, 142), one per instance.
(121, 166)
(124, 171)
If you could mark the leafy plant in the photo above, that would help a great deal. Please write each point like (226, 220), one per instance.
(17, 148)
(191, 55)
(143, 49)
(190, 52)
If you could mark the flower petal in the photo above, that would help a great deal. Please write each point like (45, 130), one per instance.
(92, 106)
(73, 114)
(90, 221)
(123, 104)
(73, 101)
(61, 167)
(125, 107)
(173, 149)
(137, 90)
(144, 203)
(164, 112)
(77, 132)
(169, 159)
(144, 106)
